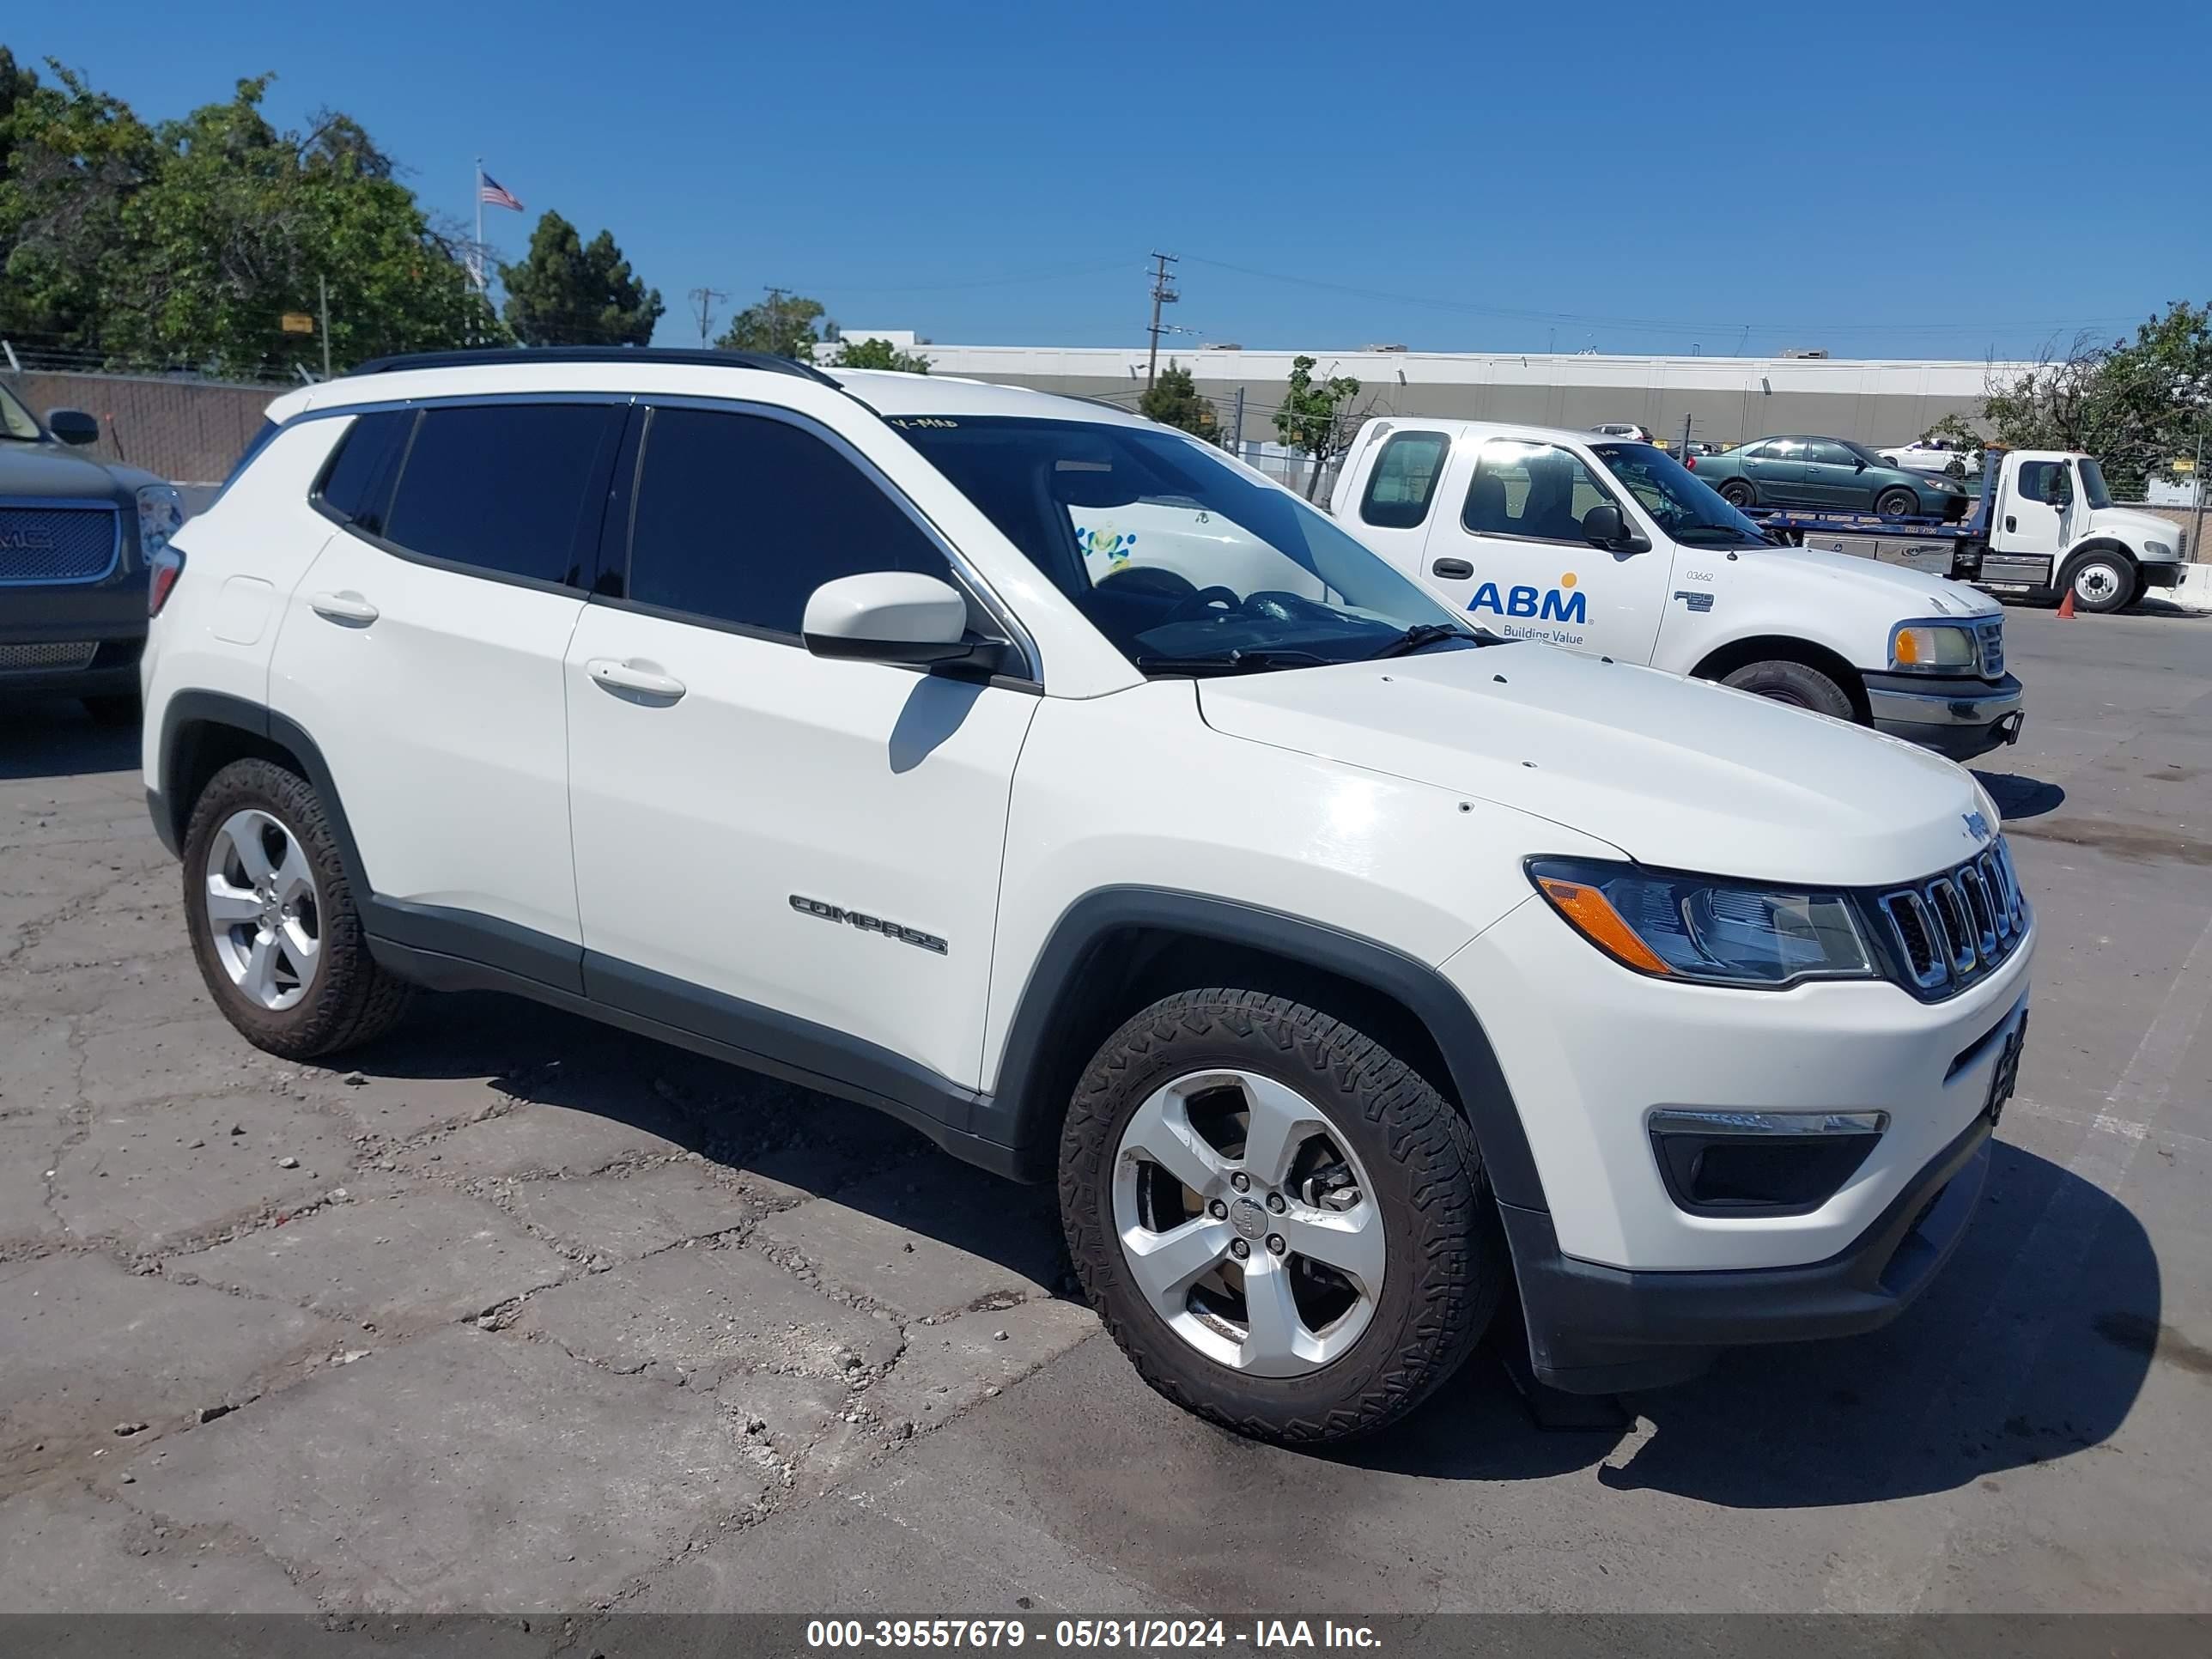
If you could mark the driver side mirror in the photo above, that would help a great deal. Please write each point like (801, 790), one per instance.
(1603, 527)
(893, 616)
(72, 426)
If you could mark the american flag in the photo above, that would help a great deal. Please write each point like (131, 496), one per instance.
(495, 194)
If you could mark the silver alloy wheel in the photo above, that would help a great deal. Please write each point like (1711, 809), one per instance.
(1247, 1222)
(263, 910)
(2096, 583)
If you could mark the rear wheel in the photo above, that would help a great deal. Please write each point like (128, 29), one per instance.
(1283, 1224)
(1899, 503)
(2102, 581)
(1737, 494)
(272, 917)
(1796, 683)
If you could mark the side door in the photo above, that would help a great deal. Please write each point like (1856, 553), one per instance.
(1392, 514)
(737, 801)
(1531, 572)
(2037, 500)
(423, 653)
(1834, 476)
(1776, 467)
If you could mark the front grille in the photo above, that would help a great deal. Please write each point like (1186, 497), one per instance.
(44, 658)
(1955, 927)
(54, 542)
(1992, 635)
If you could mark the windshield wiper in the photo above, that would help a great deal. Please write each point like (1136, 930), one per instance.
(1235, 662)
(1419, 636)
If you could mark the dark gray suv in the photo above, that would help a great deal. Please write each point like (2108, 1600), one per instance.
(76, 534)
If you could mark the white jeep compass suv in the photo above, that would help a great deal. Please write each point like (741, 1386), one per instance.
(1065, 789)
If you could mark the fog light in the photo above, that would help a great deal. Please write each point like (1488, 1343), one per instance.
(1760, 1162)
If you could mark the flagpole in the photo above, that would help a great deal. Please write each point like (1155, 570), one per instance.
(480, 241)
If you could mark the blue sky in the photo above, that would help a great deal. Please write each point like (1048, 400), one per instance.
(1908, 180)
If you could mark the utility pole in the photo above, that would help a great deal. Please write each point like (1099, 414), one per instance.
(1237, 443)
(1164, 294)
(775, 318)
(323, 287)
(2195, 548)
(706, 298)
(1684, 457)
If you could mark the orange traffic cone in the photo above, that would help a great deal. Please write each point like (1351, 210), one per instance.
(2066, 605)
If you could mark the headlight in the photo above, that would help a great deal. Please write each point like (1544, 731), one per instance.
(1703, 928)
(2158, 550)
(161, 514)
(1927, 648)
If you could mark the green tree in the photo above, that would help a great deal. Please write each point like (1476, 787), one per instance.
(2135, 405)
(569, 292)
(1172, 399)
(783, 324)
(238, 224)
(1316, 418)
(71, 158)
(879, 354)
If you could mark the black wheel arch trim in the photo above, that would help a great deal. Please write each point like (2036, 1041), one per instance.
(189, 710)
(1031, 1118)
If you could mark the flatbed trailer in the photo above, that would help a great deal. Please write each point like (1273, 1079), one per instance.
(2043, 524)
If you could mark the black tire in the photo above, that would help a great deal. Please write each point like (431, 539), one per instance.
(1737, 494)
(1445, 1245)
(1796, 684)
(1897, 503)
(2108, 576)
(350, 999)
(121, 709)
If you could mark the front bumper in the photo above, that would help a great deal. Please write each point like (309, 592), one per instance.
(1959, 718)
(82, 640)
(2160, 576)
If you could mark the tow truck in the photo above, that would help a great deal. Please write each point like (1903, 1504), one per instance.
(2044, 526)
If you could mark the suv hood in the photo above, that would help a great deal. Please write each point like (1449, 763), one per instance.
(45, 469)
(1677, 772)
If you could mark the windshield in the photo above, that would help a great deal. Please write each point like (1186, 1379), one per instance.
(2093, 483)
(1690, 510)
(1184, 561)
(15, 420)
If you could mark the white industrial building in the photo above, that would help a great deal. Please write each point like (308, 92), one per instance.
(1726, 399)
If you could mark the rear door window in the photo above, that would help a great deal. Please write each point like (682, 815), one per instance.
(1405, 479)
(506, 489)
(356, 484)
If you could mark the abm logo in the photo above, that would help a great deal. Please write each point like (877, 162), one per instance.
(1563, 603)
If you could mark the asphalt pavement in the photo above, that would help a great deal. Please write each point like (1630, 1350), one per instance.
(512, 1312)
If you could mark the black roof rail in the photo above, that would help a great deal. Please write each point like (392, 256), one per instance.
(493, 357)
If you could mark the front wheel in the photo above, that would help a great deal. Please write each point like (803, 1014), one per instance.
(1796, 683)
(1285, 1226)
(1897, 504)
(2102, 582)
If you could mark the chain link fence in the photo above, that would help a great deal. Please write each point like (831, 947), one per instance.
(185, 430)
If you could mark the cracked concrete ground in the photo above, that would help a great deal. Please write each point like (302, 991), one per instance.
(512, 1312)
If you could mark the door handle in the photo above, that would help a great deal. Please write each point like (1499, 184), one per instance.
(346, 607)
(1452, 570)
(2011, 523)
(617, 676)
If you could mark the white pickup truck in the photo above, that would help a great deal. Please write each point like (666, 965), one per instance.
(1615, 549)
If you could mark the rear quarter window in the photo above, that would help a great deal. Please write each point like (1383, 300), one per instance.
(356, 483)
(1404, 480)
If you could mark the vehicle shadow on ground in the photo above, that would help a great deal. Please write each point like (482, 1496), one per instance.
(742, 1121)
(2021, 797)
(2031, 1347)
(41, 738)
